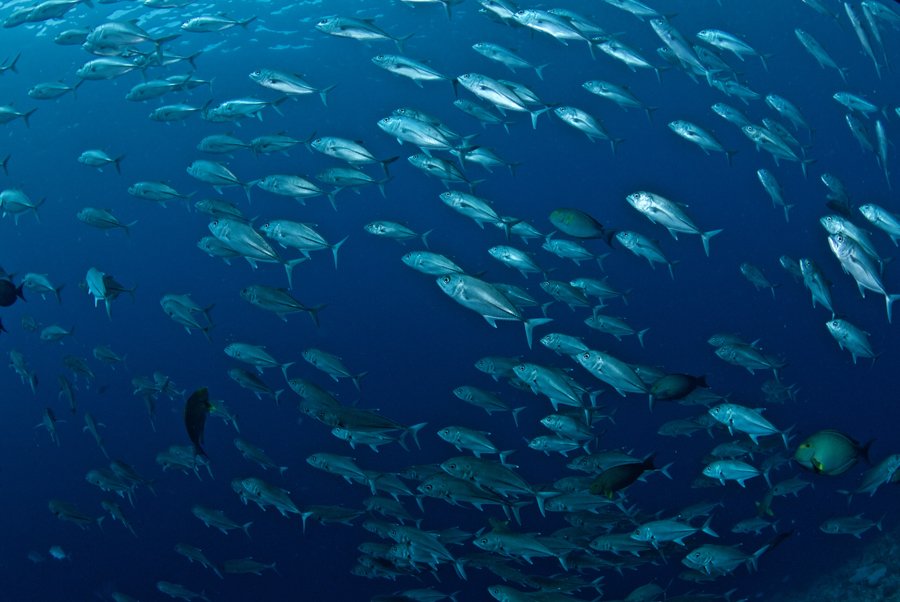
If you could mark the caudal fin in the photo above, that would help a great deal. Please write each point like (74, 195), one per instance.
(530, 324)
(705, 236)
(889, 302)
(335, 247)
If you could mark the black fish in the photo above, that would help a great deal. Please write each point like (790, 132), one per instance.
(2, 329)
(9, 292)
(196, 409)
(619, 477)
(676, 386)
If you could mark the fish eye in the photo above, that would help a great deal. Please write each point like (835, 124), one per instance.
(484, 540)
(585, 355)
(446, 279)
(453, 466)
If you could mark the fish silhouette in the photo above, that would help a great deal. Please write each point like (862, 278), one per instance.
(196, 409)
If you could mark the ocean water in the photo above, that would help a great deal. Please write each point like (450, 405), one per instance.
(415, 344)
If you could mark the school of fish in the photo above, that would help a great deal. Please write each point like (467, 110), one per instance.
(585, 353)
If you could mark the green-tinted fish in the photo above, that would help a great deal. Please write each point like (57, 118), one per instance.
(830, 452)
(279, 301)
(579, 224)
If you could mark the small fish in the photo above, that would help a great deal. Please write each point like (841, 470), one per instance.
(363, 30)
(852, 338)
(849, 525)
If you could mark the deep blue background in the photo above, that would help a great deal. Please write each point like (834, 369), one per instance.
(381, 317)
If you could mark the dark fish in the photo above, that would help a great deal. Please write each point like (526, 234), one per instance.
(9, 292)
(196, 409)
(619, 477)
(676, 386)
(2, 328)
(841, 207)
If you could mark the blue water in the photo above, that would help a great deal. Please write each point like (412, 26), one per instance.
(416, 344)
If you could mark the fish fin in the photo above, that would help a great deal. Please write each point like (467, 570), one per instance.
(705, 236)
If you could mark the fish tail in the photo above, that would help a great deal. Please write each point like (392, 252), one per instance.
(614, 143)
(414, 431)
(12, 65)
(335, 247)
(535, 115)
(323, 94)
(26, 115)
(728, 155)
(514, 508)
(640, 335)
(530, 324)
(786, 436)
(314, 313)
(289, 268)
(424, 238)
(284, 368)
(804, 163)
(541, 498)
(787, 208)
(402, 40)
(385, 162)
(515, 415)
(889, 302)
(707, 529)
(358, 378)
(247, 186)
(705, 236)
(460, 565)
